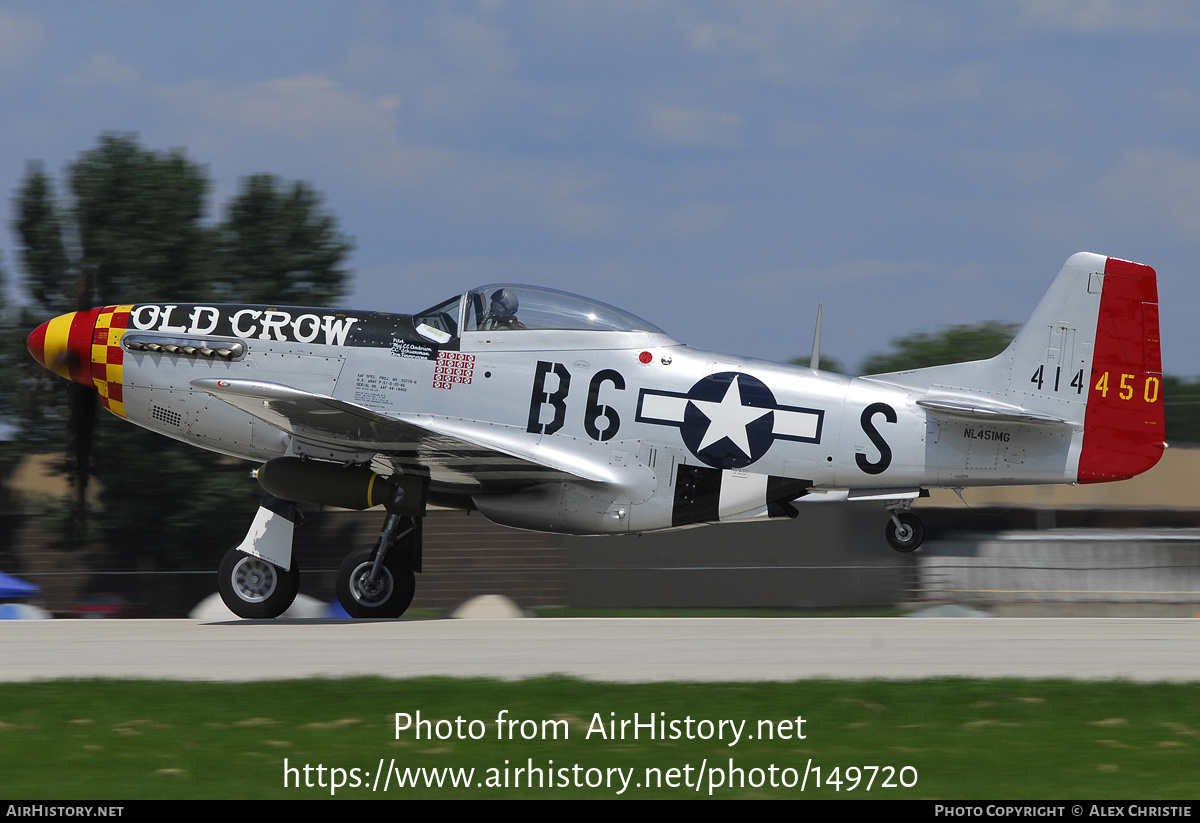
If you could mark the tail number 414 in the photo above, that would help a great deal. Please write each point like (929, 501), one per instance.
(1040, 379)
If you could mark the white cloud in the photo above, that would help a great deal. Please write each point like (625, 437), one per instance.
(336, 132)
(567, 202)
(1025, 168)
(695, 127)
(722, 37)
(103, 69)
(813, 43)
(836, 273)
(20, 39)
(302, 106)
(489, 192)
(467, 44)
(1153, 186)
(448, 65)
(1112, 16)
(765, 27)
(1178, 99)
(697, 219)
(311, 112)
(956, 84)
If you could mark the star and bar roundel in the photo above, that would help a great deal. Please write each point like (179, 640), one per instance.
(729, 420)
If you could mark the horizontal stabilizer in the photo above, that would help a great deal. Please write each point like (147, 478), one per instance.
(975, 409)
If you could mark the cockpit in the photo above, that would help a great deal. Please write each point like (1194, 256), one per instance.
(506, 307)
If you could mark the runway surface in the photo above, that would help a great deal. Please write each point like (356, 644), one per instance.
(715, 649)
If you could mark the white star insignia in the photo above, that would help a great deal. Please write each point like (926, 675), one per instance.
(729, 418)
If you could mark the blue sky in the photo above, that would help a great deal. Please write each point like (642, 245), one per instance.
(716, 167)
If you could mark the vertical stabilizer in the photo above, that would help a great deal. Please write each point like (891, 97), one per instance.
(1087, 358)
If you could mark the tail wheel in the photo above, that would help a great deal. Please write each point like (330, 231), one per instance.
(908, 536)
(388, 594)
(252, 587)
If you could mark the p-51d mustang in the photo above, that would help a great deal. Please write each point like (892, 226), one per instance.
(553, 412)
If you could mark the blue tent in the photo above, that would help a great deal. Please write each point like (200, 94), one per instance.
(22, 611)
(12, 587)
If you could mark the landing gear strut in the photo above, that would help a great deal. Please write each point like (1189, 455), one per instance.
(378, 580)
(904, 531)
(259, 578)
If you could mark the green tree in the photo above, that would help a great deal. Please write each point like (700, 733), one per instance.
(1181, 405)
(278, 246)
(38, 404)
(137, 218)
(134, 231)
(11, 362)
(953, 344)
(49, 277)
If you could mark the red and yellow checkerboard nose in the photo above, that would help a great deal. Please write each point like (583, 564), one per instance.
(85, 346)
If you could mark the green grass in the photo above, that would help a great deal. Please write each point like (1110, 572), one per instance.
(966, 739)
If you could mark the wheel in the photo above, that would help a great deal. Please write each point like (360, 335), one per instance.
(252, 587)
(909, 536)
(387, 596)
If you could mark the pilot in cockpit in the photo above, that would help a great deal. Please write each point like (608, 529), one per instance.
(502, 313)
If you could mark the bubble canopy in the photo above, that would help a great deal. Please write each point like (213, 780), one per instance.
(504, 306)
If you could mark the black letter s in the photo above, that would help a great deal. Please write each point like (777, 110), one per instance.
(885, 451)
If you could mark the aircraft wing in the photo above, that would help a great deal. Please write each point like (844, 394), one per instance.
(451, 452)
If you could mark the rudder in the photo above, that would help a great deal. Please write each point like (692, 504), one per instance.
(1124, 427)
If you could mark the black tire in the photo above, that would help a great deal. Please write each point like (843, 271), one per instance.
(252, 587)
(393, 590)
(913, 540)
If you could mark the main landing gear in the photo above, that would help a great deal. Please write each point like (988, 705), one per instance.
(904, 531)
(379, 581)
(260, 578)
(253, 587)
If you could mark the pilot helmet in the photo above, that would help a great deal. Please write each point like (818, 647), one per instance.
(504, 304)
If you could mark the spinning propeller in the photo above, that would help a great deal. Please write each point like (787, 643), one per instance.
(64, 345)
